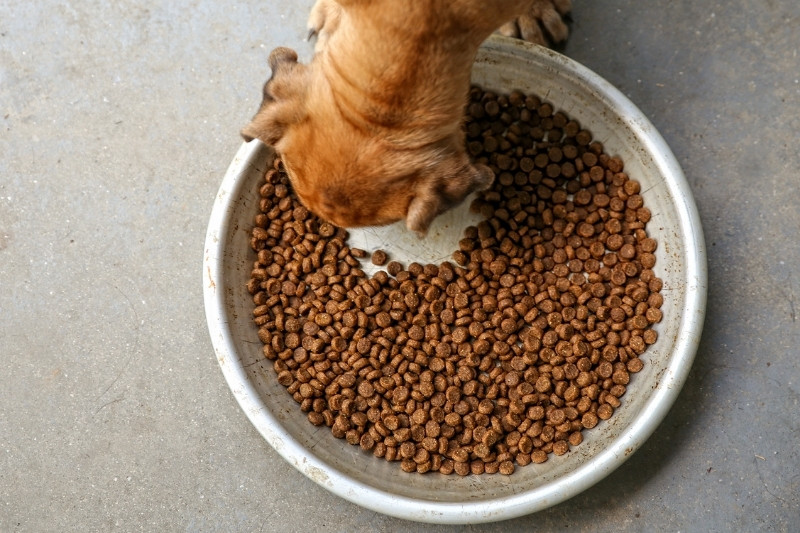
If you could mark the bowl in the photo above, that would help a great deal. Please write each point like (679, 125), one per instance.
(502, 65)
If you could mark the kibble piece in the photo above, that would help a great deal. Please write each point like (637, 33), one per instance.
(539, 456)
(589, 420)
(621, 377)
(379, 258)
(605, 411)
(635, 365)
(506, 468)
(560, 447)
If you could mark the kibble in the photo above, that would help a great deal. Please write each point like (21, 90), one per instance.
(379, 258)
(493, 361)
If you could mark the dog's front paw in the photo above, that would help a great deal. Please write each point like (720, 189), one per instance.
(542, 23)
(322, 20)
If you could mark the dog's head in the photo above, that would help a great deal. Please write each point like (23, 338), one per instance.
(347, 174)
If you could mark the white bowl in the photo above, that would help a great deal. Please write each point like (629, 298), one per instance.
(502, 65)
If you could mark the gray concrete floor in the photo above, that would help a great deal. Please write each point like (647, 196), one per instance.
(117, 122)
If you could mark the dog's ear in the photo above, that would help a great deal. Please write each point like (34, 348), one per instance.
(440, 194)
(281, 56)
(283, 101)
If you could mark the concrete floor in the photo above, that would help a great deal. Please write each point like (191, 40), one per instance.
(117, 122)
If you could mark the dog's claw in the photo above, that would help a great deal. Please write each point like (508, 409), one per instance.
(543, 23)
(322, 21)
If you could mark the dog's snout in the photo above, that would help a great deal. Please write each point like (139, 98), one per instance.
(247, 138)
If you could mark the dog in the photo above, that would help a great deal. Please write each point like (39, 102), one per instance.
(370, 131)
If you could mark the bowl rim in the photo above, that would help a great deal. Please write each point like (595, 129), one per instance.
(492, 509)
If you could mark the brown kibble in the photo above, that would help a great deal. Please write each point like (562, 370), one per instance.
(506, 468)
(621, 377)
(379, 258)
(589, 420)
(394, 268)
(637, 344)
(407, 450)
(460, 300)
(648, 260)
(543, 384)
(560, 447)
(481, 450)
(452, 419)
(539, 456)
(462, 469)
(485, 407)
(605, 411)
(650, 336)
(556, 417)
(627, 251)
(571, 393)
(653, 315)
(365, 389)
(408, 465)
(493, 360)
(631, 186)
(635, 365)
(536, 412)
(477, 467)
(460, 455)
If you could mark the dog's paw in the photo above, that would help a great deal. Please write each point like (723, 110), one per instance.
(542, 23)
(322, 20)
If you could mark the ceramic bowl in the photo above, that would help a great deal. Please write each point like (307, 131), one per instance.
(501, 65)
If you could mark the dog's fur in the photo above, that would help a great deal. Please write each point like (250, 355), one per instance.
(370, 132)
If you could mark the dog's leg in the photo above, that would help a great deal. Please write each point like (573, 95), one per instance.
(541, 23)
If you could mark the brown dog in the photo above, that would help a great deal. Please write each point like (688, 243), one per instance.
(370, 132)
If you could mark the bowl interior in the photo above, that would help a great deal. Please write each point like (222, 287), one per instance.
(502, 65)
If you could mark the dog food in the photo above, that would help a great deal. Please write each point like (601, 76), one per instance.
(493, 360)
